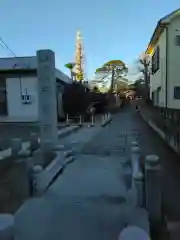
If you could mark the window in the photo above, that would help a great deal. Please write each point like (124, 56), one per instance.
(177, 40)
(176, 92)
(155, 60)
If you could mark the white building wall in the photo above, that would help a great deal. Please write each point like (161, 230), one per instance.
(173, 63)
(15, 88)
(158, 79)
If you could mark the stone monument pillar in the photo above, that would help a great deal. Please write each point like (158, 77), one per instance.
(47, 99)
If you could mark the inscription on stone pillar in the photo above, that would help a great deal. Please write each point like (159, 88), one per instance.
(47, 98)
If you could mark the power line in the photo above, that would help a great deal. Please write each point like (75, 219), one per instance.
(2, 45)
(8, 48)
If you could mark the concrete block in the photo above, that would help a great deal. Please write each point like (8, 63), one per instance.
(139, 217)
(133, 233)
(16, 145)
(6, 227)
(68, 130)
(68, 153)
(38, 157)
(34, 143)
(59, 147)
(134, 144)
(69, 160)
(24, 153)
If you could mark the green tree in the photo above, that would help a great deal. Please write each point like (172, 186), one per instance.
(95, 89)
(115, 69)
(70, 66)
(80, 76)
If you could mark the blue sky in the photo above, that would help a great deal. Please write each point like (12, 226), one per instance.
(111, 29)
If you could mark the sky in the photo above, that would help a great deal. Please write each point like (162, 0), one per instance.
(110, 29)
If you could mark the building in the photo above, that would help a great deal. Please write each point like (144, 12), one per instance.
(164, 52)
(19, 89)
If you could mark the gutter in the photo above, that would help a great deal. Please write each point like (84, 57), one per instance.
(166, 77)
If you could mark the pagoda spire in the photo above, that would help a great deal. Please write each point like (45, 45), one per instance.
(79, 58)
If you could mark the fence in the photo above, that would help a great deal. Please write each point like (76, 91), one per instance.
(145, 196)
(168, 121)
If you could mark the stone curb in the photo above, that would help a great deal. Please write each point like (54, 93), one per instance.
(50, 173)
(25, 145)
(159, 132)
(68, 130)
(107, 121)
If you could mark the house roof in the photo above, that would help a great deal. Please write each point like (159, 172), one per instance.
(159, 29)
(27, 64)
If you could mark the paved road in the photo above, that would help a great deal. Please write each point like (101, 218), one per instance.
(86, 202)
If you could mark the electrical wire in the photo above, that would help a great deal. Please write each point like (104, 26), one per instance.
(4, 45)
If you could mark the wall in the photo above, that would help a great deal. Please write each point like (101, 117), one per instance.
(158, 79)
(16, 109)
(173, 63)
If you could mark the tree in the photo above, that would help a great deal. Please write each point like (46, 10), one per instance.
(144, 78)
(70, 66)
(121, 85)
(114, 69)
(95, 89)
(80, 76)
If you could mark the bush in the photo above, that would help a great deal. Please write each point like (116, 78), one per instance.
(75, 99)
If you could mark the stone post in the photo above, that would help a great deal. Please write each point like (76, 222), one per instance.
(47, 99)
(38, 157)
(102, 119)
(135, 160)
(67, 119)
(92, 120)
(80, 120)
(36, 170)
(137, 176)
(34, 141)
(153, 188)
(139, 188)
(134, 144)
(16, 145)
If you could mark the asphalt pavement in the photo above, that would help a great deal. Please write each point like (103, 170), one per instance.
(86, 202)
